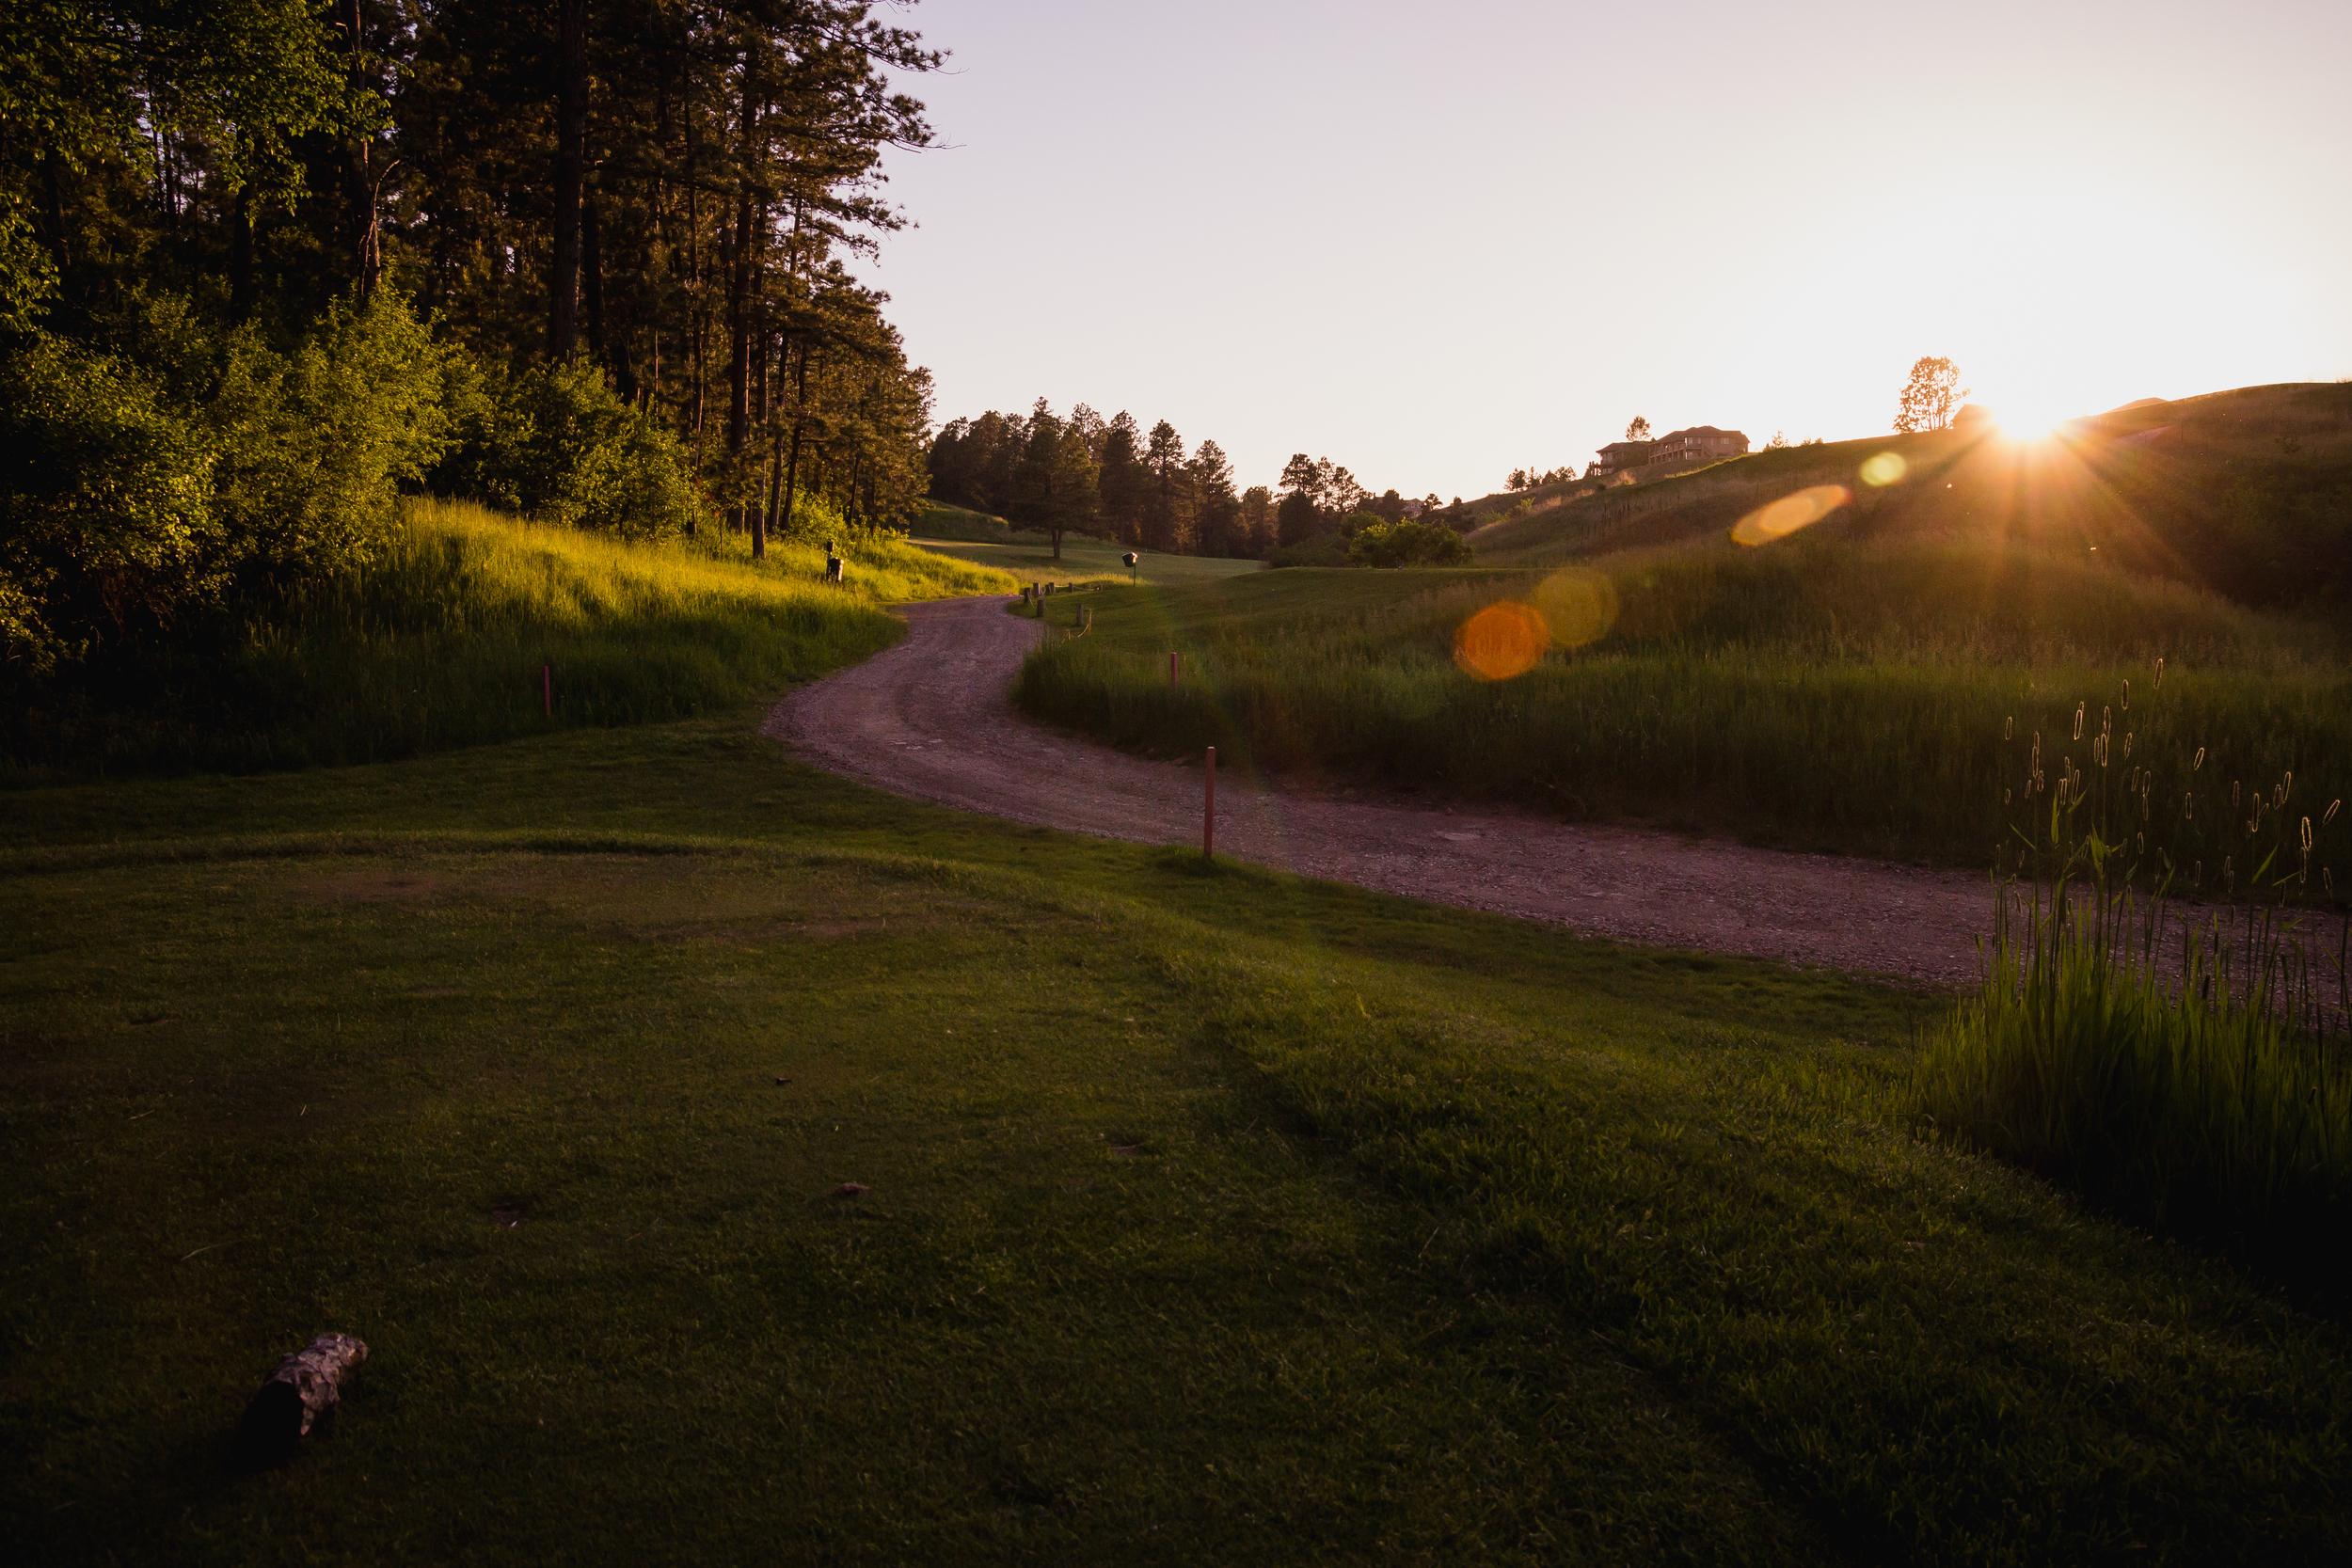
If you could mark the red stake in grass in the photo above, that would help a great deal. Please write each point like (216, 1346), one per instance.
(547, 689)
(1172, 681)
(1208, 808)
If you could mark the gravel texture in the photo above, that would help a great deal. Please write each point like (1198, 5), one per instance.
(931, 719)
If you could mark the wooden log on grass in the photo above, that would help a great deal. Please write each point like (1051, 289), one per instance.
(306, 1387)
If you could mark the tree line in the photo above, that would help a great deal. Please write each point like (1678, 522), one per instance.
(1082, 473)
(269, 260)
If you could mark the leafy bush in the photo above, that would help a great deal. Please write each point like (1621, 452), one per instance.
(558, 445)
(1407, 543)
(170, 461)
(315, 443)
(106, 508)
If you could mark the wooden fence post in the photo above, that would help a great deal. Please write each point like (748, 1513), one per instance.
(1208, 807)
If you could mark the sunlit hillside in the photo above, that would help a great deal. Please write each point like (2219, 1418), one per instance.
(2247, 491)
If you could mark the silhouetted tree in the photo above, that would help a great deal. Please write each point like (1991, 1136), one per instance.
(1931, 397)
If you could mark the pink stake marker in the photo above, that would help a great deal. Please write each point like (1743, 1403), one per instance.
(1208, 808)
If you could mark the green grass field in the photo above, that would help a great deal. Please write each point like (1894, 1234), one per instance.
(1211, 1216)
(1877, 698)
(1029, 557)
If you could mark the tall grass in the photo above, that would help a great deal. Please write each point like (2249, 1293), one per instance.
(1876, 700)
(441, 640)
(2187, 1068)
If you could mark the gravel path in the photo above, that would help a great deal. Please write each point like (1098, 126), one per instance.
(931, 719)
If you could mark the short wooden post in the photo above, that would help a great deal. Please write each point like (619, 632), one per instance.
(1173, 682)
(547, 689)
(1208, 807)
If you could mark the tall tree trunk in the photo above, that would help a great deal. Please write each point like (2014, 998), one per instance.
(592, 283)
(571, 134)
(695, 280)
(761, 528)
(359, 187)
(792, 463)
(738, 305)
(739, 342)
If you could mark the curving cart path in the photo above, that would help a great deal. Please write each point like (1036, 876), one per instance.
(931, 719)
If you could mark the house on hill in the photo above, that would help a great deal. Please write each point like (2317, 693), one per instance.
(1697, 444)
(1619, 455)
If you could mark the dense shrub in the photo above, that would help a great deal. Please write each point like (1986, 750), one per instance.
(168, 461)
(1407, 543)
(106, 511)
(556, 444)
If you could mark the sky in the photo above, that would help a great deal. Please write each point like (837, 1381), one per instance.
(1435, 242)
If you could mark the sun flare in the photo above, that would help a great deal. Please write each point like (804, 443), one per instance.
(2026, 420)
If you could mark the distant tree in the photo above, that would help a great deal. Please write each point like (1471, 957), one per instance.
(1257, 520)
(1777, 441)
(1168, 513)
(1296, 519)
(1056, 478)
(1638, 430)
(1518, 480)
(1125, 480)
(1299, 477)
(1931, 397)
(1216, 511)
(1391, 505)
(1341, 494)
(1298, 516)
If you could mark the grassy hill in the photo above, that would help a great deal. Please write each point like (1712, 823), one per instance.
(2248, 492)
(440, 640)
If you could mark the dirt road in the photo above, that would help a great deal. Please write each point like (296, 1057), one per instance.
(931, 719)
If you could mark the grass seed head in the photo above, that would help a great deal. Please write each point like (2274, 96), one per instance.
(2333, 807)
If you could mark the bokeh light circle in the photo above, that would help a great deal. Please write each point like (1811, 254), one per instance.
(1785, 516)
(1578, 606)
(1884, 470)
(1502, 640)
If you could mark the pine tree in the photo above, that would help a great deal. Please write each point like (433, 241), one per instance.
(1216, 511)
(1168, 518)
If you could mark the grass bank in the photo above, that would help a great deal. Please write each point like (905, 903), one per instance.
(1883, 699)
(440, 642)
(1215, 1216)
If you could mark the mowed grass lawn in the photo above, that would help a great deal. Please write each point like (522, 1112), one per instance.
(1212, 1216)
(1029, 557)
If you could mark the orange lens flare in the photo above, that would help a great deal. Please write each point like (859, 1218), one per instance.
(1787, 515)
(1502, 640)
